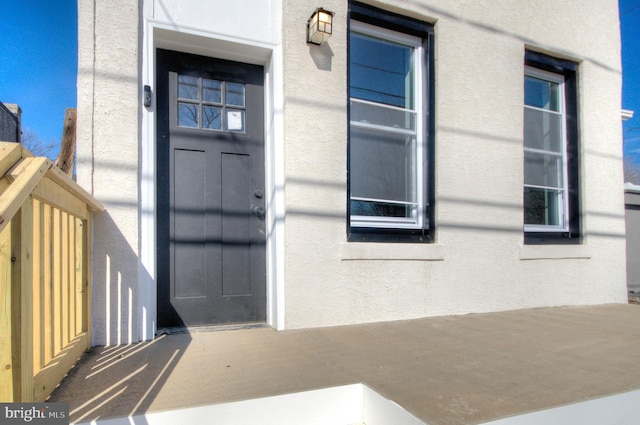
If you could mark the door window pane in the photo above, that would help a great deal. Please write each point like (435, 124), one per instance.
(235, 120)
(212, 117)
(187, 87)
(234, 94)
(212, 91)
(188, 115)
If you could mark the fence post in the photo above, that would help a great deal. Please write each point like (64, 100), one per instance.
(65, 158)
(22, 302)
(6, 355)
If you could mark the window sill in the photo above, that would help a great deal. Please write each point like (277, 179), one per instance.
(391, 251)
(554, 252)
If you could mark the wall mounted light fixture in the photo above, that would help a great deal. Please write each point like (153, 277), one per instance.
(319, 26)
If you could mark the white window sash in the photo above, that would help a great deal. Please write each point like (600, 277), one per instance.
(416, 221)
(563, 200)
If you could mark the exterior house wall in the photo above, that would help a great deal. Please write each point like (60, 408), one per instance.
(632, 214)
(108, 139)
(10, 115)
(478, 262)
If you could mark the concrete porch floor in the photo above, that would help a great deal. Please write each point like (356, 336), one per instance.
(444, 370)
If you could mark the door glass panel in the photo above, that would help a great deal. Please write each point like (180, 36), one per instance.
(187, 87)
(188, 115)
(235, 120)
(234, 94)
(212, 91)
(212, 117)
(211, 104)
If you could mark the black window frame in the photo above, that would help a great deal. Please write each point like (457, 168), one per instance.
(425, 31)
(569, 70)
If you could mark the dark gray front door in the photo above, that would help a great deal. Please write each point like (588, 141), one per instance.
(210, 186)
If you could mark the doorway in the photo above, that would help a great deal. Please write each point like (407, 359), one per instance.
(210, 180)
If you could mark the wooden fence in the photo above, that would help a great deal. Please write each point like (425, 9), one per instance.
(45, 272)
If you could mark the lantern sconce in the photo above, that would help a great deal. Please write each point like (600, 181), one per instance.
(319, 26)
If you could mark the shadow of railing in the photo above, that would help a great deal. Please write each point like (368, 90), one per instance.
(121, 378)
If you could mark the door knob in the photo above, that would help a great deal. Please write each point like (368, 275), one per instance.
(259, 212)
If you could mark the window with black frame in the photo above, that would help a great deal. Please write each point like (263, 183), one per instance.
(551, 190)
(390, 127)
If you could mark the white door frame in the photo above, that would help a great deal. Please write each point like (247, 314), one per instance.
(163, 35)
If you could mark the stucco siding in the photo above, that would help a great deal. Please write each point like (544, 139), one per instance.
(479, 176)
(108, 142)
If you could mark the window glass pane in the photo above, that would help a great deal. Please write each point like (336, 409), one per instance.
(235, 120)
(212, 91)
(543, 130)
(381, 71)
(541, 94)
(380, 115)
(187, 115)
(542, 169)
(212, 117)
(381, 165)
(541, 206)
(187, 87)
(379, 209)
(234, 94)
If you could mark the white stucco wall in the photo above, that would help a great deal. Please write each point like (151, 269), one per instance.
(108, 145)
(478, 263)
(316, 278)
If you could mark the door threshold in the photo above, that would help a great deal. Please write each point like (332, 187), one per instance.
(209, 328)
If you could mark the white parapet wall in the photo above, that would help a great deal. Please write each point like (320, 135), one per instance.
(619, 409)
(346, 405)
(358, 404)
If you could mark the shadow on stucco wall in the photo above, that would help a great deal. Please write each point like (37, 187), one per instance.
(114, 292)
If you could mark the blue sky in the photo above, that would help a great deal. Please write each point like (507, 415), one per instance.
(630, 30)
(38, 62)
